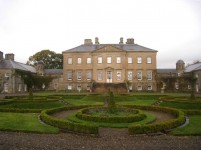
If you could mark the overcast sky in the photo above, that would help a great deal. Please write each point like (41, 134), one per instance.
(173, 27)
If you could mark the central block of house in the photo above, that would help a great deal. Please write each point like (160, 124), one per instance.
(119, 67)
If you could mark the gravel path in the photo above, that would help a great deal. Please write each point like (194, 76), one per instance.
(69, 141)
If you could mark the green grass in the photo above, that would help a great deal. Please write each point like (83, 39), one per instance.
(193, 128)
(119, 99)
(150, 118)
(32, 105)
(180, 105)
(24, 122)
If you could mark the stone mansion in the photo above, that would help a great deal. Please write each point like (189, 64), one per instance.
(96, 67)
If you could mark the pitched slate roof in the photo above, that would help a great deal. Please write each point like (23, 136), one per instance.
(126, 47)
(193, 67)
(53, 71)
(10, 64)
(161, 71)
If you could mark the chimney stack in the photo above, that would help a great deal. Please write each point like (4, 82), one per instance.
(130, 41)
(121, 41)
(96, 40)
(10, 56)
(88, 42)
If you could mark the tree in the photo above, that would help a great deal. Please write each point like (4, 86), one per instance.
(51, 59)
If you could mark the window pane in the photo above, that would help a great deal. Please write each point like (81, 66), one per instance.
(130, 60)
(130, 75)
(139, 75)
(70, 60)
(99, 75)
(88, 75)
(109, 60)
(139, 60)
(149, 75)
(149, 87)
(79, 60)
(148, 60)
(118, 60)
(99, 60)
(70, 75)
(118, 75)
(79, 75)
(88, 60)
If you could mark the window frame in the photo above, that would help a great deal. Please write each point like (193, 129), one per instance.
(131, 73)
(88, 60)
(100, 60)
(79, 75)
(100, 75)
(130, 60)
(70, 60)
(68, 75)
(149, 73)
(79, 60)
(109, 60)
(149, 60)
(139, 60)
(139, 73)
(118, 60)
(118, 75)
(88, 74)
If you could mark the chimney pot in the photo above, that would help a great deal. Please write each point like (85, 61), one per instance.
(121, 40)
(96, 40)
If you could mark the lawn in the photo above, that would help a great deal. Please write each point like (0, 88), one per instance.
(119, 99)
(32, 105)
(193, 128)
(24, 122)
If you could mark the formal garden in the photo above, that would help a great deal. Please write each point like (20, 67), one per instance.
(173, 114)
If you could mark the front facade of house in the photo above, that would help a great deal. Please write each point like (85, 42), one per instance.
(109, 64)
(95, 67)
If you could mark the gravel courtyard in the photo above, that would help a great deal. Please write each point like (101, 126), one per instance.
(109, 140)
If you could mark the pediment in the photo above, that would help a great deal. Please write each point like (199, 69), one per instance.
(109, 48)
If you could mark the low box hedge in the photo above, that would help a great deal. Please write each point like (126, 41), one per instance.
(65, 124)
(136, 116)
(161, 126)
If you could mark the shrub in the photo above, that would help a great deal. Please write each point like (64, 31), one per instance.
(65, 124)
(136, 115)
(158, 127)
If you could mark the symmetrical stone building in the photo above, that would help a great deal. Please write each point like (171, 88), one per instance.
(92, 66)
(95, 67)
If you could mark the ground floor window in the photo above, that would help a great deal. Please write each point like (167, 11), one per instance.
(176, 86)
(79, 75)
(139, 88)
(88, 75)
(79, 88)
(118, 75)
(100, 75)
(88, 88)
(130, 75)
(149, 88)
(70, 87)
(69, 75)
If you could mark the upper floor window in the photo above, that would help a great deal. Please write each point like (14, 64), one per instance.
(149, 75)
(139, 60)
(109, 60)
(79, 60)
(130, 60)
(148, 60)
(118, 60)
(69, 75)
(100, 60)
(70, 60)
(130, 75)
(6, 75)
(139, 75)
(88, 60)
(79, 75)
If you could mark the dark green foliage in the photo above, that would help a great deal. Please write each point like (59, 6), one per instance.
(67, 125)
(158, 127)
(134, 115)
(51, 59)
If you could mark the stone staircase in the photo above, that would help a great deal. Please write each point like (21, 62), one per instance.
(114, 87)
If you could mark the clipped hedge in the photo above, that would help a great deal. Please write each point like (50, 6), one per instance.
(136, 116)
(161, 126)
(192, 112)
(20, 110)
(65, 124)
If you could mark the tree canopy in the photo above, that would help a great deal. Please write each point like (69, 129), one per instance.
(51, 59)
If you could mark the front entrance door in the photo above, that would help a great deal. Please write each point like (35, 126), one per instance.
(109, 76)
